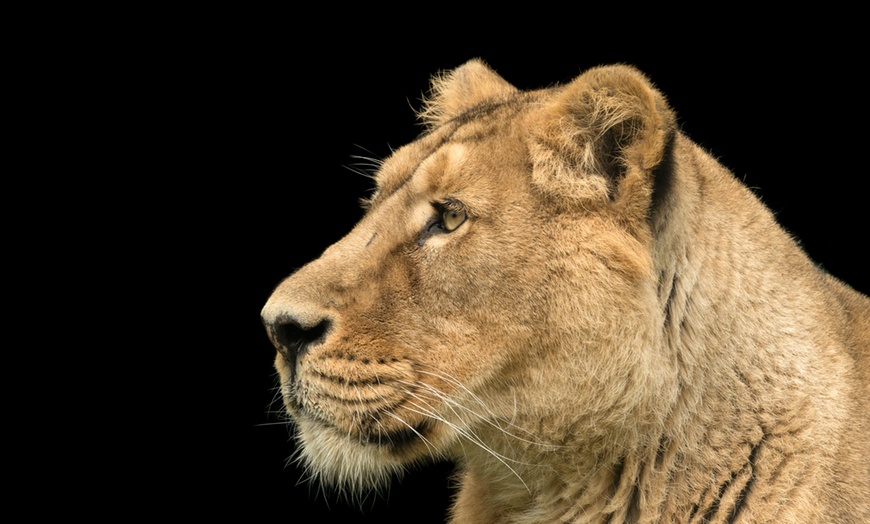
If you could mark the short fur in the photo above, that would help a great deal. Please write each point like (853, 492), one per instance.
(618, 331)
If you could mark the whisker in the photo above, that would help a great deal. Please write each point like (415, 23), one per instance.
(454, 381)
(358, 171)
(476, 440)
(424, 439)
(451, 403)
(468, 433)
(270, 424)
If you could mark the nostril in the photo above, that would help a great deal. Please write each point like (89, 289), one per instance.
(293, 338)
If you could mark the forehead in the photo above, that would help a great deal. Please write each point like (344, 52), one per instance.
(479, 149)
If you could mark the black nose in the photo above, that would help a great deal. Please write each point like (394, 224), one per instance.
(292, 338)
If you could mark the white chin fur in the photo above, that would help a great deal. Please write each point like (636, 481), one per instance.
(334, 460)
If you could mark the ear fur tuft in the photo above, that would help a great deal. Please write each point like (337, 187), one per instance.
(455, 92)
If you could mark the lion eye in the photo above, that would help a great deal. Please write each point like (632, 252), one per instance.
(452, 219)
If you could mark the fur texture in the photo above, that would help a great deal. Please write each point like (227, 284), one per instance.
(561, 292)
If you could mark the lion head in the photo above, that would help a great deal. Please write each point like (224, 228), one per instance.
(521, 297)
(506, 241)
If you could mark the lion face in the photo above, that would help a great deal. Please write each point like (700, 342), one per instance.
(470, 304)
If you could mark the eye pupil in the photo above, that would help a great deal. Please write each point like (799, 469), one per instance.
(452, 219)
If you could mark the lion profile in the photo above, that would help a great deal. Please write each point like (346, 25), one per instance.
(561, 292)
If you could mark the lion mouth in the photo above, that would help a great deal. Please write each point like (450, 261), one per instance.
(400, 439)
(369, 404)
(395, 440)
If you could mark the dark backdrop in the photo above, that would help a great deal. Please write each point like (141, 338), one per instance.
(268, 121)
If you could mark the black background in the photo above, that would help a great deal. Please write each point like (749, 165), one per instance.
(258, 119)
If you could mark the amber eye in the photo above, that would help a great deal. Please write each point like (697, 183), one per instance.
(451, 219)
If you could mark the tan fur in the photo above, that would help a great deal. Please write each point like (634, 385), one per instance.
(619, 331)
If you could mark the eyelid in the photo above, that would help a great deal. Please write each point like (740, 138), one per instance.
(450, 204)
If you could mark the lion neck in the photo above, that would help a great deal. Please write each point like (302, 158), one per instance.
(730, 283)
(707, 230)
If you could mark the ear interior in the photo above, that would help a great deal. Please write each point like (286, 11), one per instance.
(608, 125)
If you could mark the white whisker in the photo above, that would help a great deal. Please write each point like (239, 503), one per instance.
(471, 437)
(424, 439)
(452, 403)
(465, 432)
(452, 380)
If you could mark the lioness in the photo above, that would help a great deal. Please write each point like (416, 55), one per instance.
(561, 292)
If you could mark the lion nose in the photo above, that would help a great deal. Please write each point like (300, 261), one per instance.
(292, 337)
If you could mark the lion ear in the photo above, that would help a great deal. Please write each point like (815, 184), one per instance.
(602, 134)
(455, 92)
